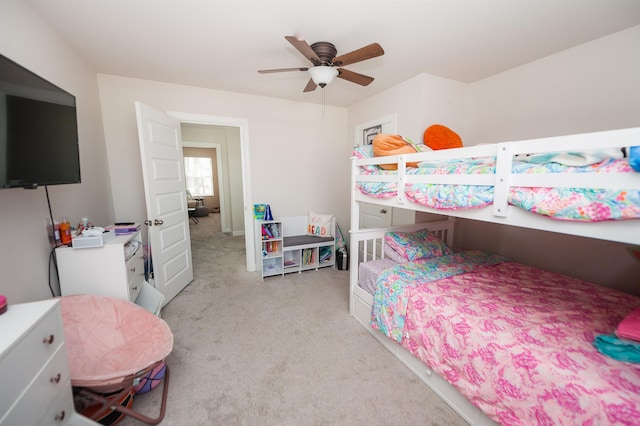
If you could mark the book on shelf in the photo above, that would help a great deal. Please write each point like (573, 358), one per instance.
(270, 230)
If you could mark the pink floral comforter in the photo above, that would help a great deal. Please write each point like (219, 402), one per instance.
(517, 342)
(579, 204)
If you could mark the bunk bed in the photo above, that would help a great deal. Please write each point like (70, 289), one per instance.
(424, 337)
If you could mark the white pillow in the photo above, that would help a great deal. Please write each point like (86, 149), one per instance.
(320, 225)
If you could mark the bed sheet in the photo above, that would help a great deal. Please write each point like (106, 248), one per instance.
(517, 342)
(582, 204)
(368, 273)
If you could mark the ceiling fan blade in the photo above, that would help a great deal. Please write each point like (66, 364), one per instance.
(305, 49)
(354, 77)
(310, 87)
(282, 70)
(371, 51)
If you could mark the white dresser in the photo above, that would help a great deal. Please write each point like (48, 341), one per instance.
(116, 269)
(35, 387)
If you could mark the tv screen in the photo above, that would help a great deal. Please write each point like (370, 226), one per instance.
(38, 130)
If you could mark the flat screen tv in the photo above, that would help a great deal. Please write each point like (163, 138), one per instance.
(38, 130)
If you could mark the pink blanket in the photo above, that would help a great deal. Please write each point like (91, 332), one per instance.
(517, 342)
(108, 338)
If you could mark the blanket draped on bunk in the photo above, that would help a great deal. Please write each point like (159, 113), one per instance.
(582, 204)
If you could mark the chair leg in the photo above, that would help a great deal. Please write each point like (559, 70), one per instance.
(107, 403)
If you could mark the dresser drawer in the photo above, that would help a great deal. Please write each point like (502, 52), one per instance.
(48, 395)
(61, 412)
(23, 361)
(135, 275)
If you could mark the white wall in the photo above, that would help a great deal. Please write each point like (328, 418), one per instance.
(418, 103)
(24, 252)
(592, 87)
(295, 150)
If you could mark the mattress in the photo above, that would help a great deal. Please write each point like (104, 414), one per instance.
(515, 340)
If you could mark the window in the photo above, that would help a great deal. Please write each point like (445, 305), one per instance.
(199, 174)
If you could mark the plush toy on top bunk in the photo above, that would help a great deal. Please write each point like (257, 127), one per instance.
(435, 137)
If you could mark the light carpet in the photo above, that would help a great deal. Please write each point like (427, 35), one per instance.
(280, 352)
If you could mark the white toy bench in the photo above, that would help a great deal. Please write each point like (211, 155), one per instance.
(283, 246)
(302, 252)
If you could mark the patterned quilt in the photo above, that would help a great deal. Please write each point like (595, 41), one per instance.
(518, 343)
(584, 204)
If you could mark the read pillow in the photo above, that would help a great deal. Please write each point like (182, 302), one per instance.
(416, 245)
(319, 225)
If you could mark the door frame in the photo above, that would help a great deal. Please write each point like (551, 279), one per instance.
(243, 125)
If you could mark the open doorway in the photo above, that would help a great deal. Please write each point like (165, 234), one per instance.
(229, 136)
(212, 182)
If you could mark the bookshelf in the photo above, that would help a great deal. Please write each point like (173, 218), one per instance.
(269, 248)
(301, 253)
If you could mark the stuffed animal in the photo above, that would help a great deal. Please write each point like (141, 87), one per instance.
(634, 158)
(438, 136)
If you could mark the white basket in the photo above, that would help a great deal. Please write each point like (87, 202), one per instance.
(150, 299)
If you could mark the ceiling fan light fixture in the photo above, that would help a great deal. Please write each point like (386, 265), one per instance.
(323, 74)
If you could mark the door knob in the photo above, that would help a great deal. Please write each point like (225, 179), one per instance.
(157, 222)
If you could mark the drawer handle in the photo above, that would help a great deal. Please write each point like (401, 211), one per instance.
(56, 379)
(133, 269)
(48, 340)
(60, 417)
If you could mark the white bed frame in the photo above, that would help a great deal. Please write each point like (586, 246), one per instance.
(367, 244)
(627, 231)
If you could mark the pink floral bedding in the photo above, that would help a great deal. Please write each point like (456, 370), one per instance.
(517, 342)
(584, 204)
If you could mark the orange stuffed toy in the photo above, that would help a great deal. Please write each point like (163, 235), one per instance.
(438, 136)
(384, 145)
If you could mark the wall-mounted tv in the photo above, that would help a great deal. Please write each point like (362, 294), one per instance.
(38, 130)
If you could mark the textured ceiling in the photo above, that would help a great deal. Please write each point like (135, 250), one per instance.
(221, 44)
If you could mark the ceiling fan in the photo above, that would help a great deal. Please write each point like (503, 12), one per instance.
(326, 65)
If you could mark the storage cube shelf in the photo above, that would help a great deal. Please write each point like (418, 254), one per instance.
(274, 258)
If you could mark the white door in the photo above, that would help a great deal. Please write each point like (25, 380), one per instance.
(166, 200)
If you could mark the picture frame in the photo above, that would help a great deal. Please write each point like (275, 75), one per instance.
(365, 132)
(370, 132)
